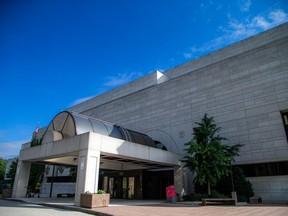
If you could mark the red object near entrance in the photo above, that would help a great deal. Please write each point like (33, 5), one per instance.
(170, 192)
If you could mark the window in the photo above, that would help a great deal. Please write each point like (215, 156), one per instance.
(265, 169)
(285, 121)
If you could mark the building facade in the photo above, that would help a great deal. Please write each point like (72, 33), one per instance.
(243, 86)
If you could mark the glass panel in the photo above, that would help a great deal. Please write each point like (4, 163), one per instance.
(149, 141)
(99, 127)
(82, 125)
(105, 184)
(124, 187)
(114, 131)
(69, 128)
(137, 137)
(59, 120)
(131, 187)
(111, 188)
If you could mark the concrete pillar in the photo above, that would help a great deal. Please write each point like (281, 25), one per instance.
(180, 181)
(87, 173)
(21, 179)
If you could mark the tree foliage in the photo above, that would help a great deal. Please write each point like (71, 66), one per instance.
(3, 163)
(241, 185)
(73, 173)
(206, 155)
(12, 172)
(35, 141)
(36, 174)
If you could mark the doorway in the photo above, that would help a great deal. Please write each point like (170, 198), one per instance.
(123, 185)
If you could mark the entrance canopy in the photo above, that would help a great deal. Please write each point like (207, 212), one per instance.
(68, 124)
(120, 148)
(92, 144)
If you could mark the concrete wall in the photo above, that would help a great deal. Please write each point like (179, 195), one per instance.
(271, 188)
(244, 86)
(244, 93)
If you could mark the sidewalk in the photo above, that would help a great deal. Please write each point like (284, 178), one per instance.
(161, 208)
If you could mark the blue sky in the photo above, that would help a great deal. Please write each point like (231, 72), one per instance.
(54, 54)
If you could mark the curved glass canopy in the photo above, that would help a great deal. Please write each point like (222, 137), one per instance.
(67, 124)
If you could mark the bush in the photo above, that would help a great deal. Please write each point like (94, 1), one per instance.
(194, 197)
(100, 191)
(224, 187)
(241, 185)
(216, 194)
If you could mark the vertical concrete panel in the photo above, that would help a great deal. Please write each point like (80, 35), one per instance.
(21, 179)
(179, 181)
(88, 173)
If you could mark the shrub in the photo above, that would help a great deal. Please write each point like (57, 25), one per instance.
(100, 191)
(241, 185)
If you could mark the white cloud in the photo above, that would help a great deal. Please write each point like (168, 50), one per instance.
(187, 55)
(121, 78)
(245, 5)
(236, 31)
(112, 82)
(80, 100)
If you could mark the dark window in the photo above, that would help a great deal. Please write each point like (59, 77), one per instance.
(285, 121)
(160, 145)
(265, 169)
(61, 179)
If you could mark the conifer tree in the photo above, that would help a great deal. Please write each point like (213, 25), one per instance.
(206, 155)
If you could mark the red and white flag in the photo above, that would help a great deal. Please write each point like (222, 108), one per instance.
(36, 130)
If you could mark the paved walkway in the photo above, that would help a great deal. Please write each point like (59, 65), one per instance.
(161, 208)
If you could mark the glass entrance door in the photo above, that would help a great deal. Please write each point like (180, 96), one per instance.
(121, 187)
(131, 188)
(128, 188)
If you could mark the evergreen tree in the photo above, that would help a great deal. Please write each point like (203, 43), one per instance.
(241, 185)
(3, 163)
(12, 172)
(206, 155)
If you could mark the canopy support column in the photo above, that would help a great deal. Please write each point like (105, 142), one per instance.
(88, 169)
(21, 179)
(180, 181)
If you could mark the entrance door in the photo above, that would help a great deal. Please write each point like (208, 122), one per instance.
(128, 187)
(124, 185)
(155, 183)
(120, 187)
(131, 187)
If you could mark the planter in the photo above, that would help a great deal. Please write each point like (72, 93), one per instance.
(7, 193)
(94, 200)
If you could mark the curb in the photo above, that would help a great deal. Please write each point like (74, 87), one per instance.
(71, 208)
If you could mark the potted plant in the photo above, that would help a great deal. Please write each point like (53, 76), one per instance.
(94, 200)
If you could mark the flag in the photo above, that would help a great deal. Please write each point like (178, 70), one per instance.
(36, 130)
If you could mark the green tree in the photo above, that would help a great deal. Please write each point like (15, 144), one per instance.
(206, 155)
(12, 172)
(241, 185)
(3, 163)
(36, 174)
(73, 173)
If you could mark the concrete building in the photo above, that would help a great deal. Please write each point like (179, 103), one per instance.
(243, 86)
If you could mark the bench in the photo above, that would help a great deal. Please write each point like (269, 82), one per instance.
(205, 200)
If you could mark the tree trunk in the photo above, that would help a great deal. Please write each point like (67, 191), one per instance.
(209, 189)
